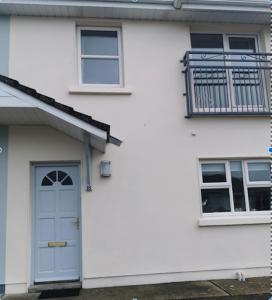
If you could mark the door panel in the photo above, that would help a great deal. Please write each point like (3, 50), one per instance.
(56, 221)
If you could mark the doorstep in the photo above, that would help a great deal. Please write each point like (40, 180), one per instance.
(37, 288)
(251, 289)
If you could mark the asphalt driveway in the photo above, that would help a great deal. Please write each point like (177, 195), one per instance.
(251, 289)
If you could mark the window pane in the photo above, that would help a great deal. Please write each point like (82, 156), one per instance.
(67, 181)
(210, 84)
(213, 173)
(247, 83)
(259, 198)
(207, 41)
(210, 87)
(61, 175)
(95, 42)
(259, 171)
(53, 176)
(46, 182)
(215, 200)
(242, 43)
(237, 186)
(100, 71)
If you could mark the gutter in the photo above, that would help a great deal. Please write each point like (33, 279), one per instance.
(237, 5)
(172, 3)
(257, 3)
(161, 2)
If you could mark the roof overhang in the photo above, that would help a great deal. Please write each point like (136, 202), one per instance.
(242, 11)
(20, 108)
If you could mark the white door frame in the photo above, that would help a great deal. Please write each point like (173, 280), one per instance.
(33, 210)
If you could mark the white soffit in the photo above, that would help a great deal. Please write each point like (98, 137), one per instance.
(242, 11)
(18, 108)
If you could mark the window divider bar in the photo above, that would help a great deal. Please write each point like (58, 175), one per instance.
(99, 56)
(244, 169)
(228, 174)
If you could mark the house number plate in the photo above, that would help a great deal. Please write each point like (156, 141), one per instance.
(57, 244)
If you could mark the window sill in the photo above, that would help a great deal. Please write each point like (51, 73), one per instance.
(87, 90)
(234, 220)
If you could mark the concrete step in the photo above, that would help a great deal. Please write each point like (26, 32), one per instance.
(37, 288)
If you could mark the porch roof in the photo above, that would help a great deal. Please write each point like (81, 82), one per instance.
(22, 105)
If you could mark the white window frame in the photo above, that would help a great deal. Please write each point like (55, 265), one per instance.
(227, 35)
(226, 45)
(228, 185)
(255, 183)
(119, 56)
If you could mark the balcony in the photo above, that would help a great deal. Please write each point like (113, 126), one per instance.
(227, 83)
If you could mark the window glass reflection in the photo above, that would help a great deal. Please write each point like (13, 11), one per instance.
(259, 171)
(237, 185)
(259, 198)
(213, 173)
(215, 200)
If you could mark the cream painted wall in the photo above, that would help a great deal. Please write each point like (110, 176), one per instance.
(28, 145)
(143, 220)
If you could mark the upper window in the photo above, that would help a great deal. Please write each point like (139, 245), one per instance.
(235, 186)
(220, 42)
(228, 75)
(100, 56)
(207, 41)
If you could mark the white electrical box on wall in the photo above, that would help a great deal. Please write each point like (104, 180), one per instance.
(105, 168)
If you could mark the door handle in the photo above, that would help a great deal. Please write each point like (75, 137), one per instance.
(77, 223)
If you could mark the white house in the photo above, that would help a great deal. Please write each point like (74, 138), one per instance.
(134, 141)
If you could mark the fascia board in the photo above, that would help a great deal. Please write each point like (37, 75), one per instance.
(99, 4)
(163, 4)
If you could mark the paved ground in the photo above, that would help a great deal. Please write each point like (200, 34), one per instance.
(252, 289)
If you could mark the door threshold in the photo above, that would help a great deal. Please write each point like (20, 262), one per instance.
(60, 285)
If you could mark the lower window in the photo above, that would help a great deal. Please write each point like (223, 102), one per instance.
(235, 186)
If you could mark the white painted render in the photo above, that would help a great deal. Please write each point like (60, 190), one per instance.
(141, 225)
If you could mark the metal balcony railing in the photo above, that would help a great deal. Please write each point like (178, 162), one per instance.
(227, 83)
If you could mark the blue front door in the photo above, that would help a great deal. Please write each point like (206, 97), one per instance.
(56, 224)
